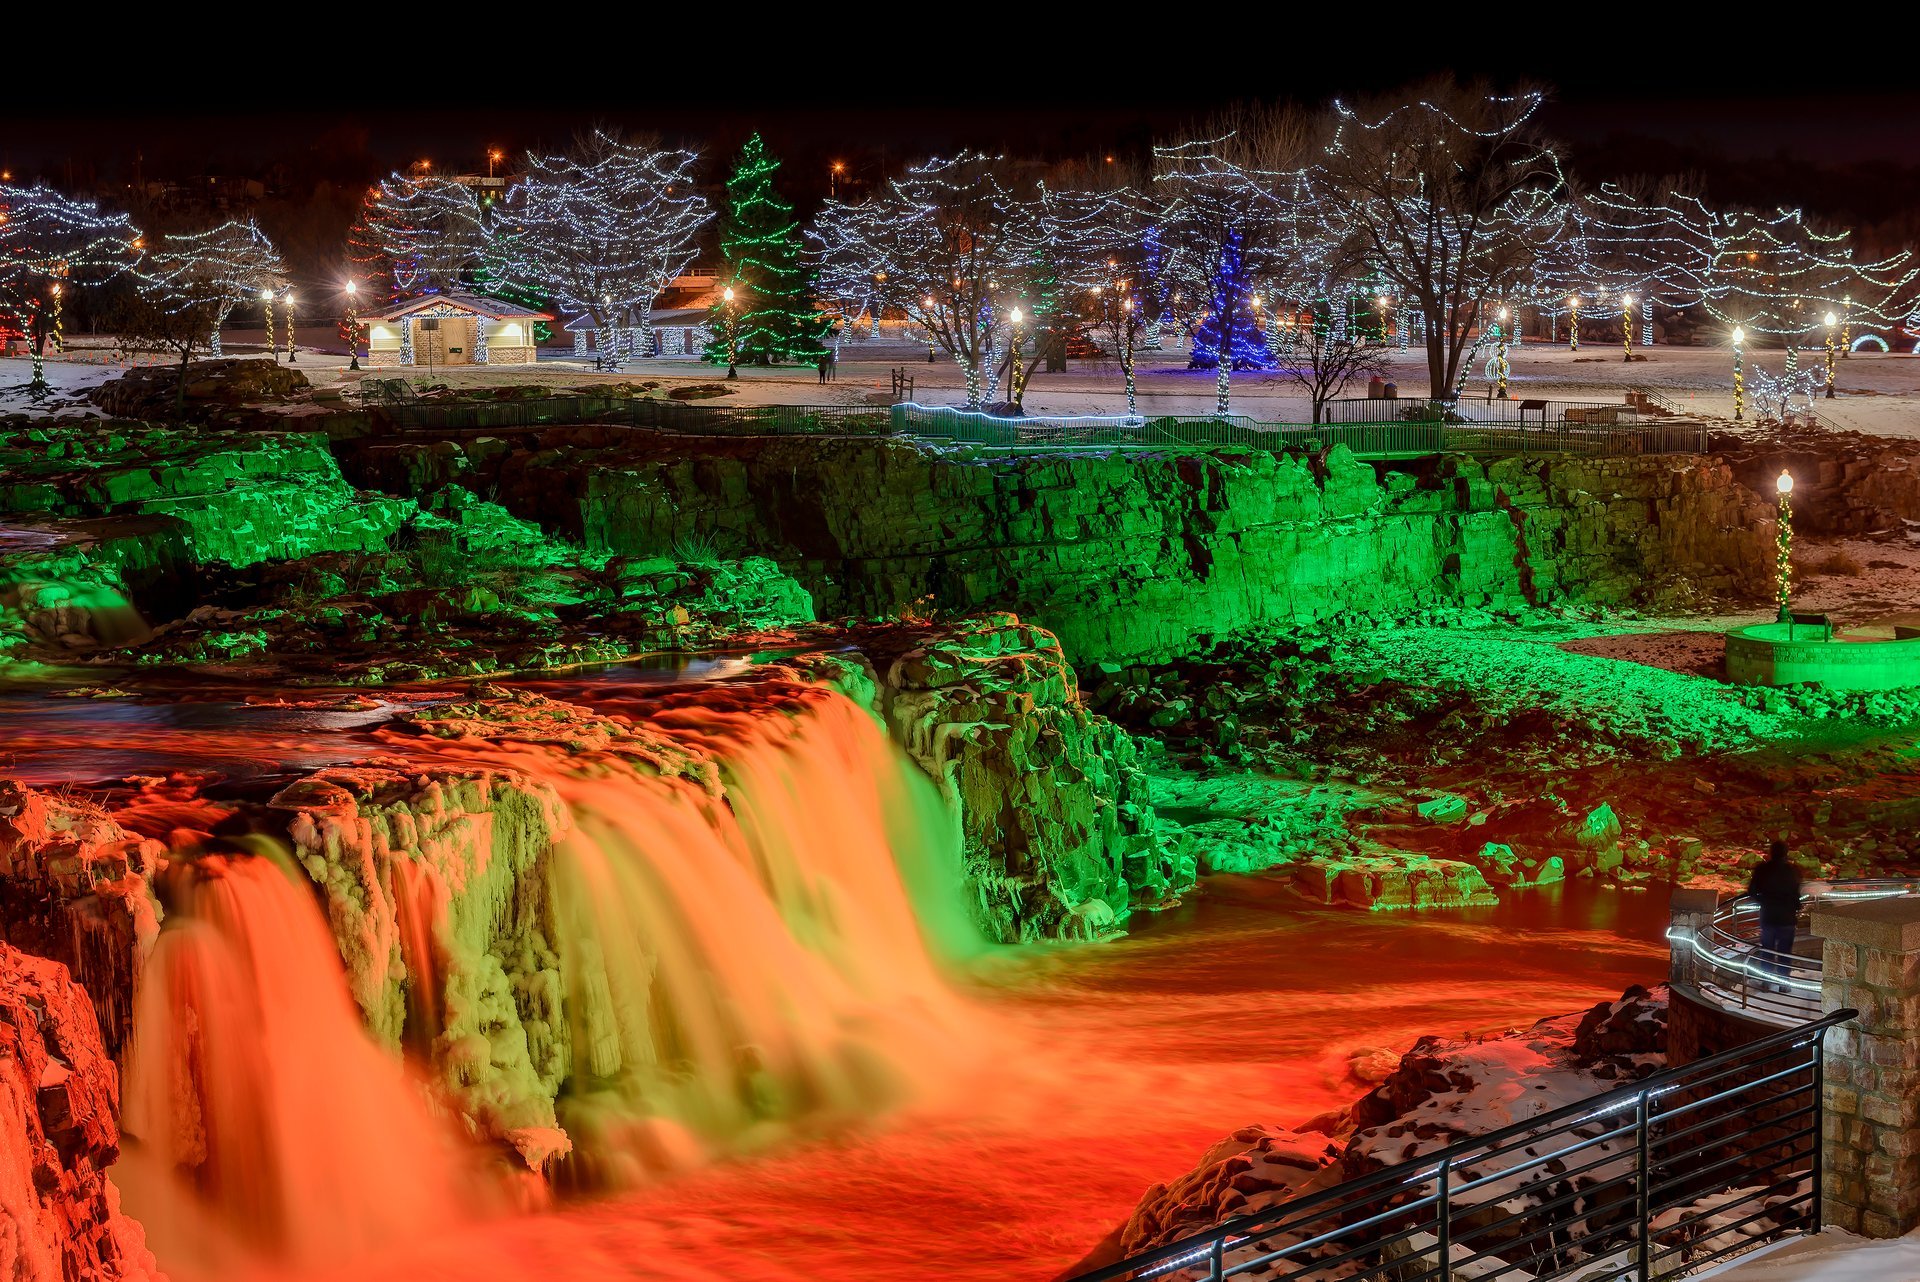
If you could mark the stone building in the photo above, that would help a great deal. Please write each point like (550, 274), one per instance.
(453, 329)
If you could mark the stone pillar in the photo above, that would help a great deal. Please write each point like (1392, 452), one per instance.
(1871, 1149)
(1690, 912)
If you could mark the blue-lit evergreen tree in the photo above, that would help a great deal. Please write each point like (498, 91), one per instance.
(1230, 298)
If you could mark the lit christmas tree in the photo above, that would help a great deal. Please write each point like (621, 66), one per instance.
(777, 323)
(1245, 349)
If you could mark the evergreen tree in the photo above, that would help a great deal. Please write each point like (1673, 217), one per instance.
(1245, 350)
(776, 321)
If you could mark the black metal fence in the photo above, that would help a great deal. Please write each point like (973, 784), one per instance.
(1674, 1172)
(990, 433)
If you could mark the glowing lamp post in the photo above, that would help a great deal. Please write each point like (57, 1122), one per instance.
(293, 357)
(1626, 324)
(353, 325)
(1832, 320)
(733, 335)
(1014, 385)
(927, 303)
(266, 307)
(1783, 559)
(1739, 374)
(1500, 359)
(1846, 327)
(57, 334)
(1573, 324)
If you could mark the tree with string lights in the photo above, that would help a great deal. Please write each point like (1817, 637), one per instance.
(1104, 238)
(606, 226)
(1780, 273)
(949, 243)
(49, 246)
(1453, 198)
(774, 321)
(185, 287)
(1225, 220)
(415, 235)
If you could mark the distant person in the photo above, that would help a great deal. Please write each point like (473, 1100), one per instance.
(822, 364)
(1776, 888)
(833, 365)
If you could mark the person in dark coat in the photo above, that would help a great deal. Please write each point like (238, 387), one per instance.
(1776, 888)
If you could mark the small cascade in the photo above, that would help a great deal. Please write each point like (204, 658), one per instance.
(262, 1120)
(420, 903)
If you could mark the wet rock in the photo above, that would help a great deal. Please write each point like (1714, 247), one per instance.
(59, 1094)
(73, 887)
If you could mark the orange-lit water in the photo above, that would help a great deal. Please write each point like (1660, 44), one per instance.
(1121, 1064)
(1034, 1093)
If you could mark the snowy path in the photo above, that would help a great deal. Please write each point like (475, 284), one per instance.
(1830, 1257)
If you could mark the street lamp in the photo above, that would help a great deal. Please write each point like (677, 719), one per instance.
(353, 324)
(493, 158)
(292, 350)
(733, 335)
(1832, 320)
(1783, 559)
(833, 179)
(266, 306)
(1013, 384)
(927, 302)
(1739, 374)
(1846, 327)
(1626, 324)
(1573, 324)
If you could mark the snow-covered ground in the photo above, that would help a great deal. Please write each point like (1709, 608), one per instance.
(1832, 1256)
(1878, 392)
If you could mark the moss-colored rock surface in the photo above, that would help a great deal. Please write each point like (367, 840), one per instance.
(1134, 555)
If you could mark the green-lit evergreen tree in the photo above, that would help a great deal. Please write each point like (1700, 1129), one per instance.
(775, 321)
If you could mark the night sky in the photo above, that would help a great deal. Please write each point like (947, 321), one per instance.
(1764, 119)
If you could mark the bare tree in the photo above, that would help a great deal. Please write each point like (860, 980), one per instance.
(1328, 357)
(1452, 197)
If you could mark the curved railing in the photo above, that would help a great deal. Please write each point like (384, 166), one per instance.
(1731, 970)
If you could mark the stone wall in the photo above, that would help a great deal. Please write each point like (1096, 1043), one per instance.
(1137, 556)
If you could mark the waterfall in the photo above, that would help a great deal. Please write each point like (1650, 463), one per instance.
(740, 961)
(262, 1119)
(738, 916)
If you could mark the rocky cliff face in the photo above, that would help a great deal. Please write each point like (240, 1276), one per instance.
(1060, 838)
(60, 1220)
(73, 887)
(1132, 556)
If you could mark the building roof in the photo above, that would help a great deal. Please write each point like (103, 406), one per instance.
(492, 308)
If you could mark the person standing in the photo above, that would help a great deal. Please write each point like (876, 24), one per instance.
(1775, 886)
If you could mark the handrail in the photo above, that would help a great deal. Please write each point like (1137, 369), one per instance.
(1779, 989)
(1210, 1246)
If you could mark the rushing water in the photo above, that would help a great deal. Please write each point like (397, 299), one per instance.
(780, 981)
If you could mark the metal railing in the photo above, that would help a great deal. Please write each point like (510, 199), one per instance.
(994, 433)
(1732, 971)
(1372, 439)
(1672, 1173)
(1514, 410)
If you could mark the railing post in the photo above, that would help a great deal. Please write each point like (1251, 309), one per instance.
(1213, 1259)
(1642, 1184)
(1443, 1208)
(1816, 1219)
